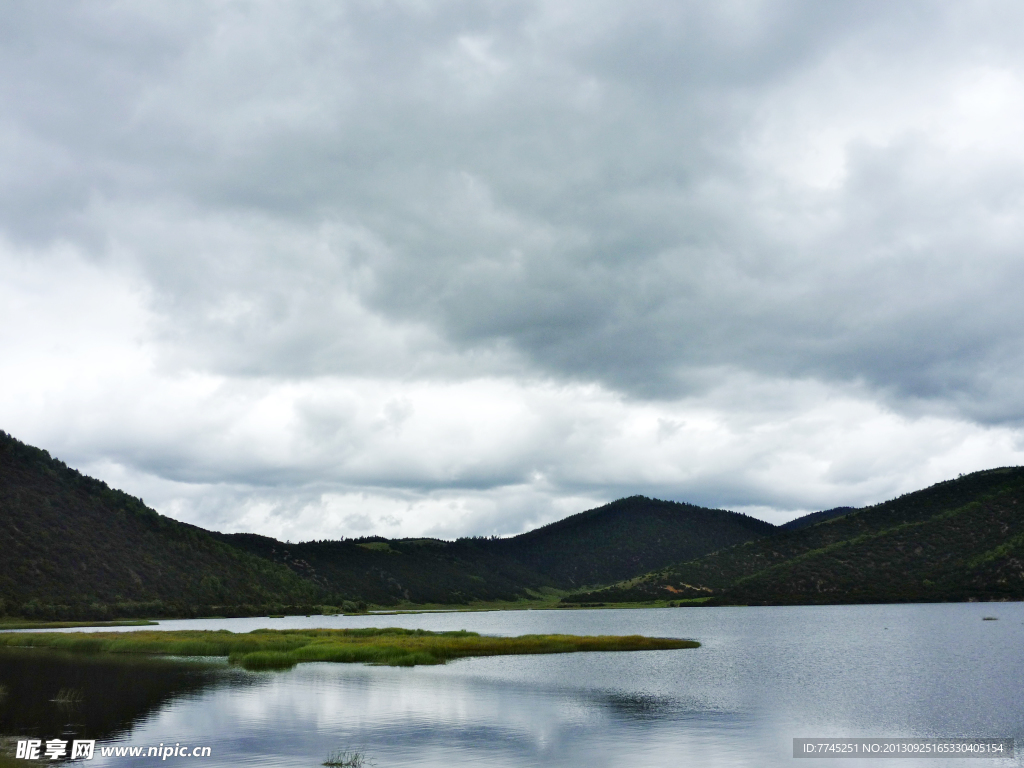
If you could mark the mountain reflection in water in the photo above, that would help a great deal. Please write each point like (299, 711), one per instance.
(762, 677)
(95, 696)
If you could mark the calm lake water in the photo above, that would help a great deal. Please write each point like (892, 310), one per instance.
(763, 677)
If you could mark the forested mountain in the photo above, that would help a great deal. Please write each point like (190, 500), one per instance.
(814, 518)
(69, 540)
(626, 538)
(391, 571)
(71, 547)
(619, 540)
(958, 540)
(74, 548)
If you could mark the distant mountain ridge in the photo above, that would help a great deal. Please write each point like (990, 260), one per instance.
(958, 540)
(75, 548)
(71, 547)
(627, 537)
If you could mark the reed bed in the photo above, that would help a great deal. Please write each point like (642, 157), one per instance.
(346, 759)
(68, 697)
(282, 649)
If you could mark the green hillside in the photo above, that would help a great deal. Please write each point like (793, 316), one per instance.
(393, 571)
(75, 548)
(958, 540)
(626, 538)
(71, 546)
(814, 518)
(619, 540)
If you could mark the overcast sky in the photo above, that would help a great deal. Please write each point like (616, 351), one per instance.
(322, 269)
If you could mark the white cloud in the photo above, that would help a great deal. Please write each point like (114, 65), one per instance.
(438, 269)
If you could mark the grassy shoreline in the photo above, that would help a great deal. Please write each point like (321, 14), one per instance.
(532, 605)
(554, 604)
(283, 649)
(19, 624)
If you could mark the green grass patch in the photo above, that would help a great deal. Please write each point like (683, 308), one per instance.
(377, 546)
(282, 649)
(70, 624)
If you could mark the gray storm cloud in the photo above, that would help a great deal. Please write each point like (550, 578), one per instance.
(717, 217)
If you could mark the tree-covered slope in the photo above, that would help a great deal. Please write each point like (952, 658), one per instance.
(73, 547)
(69, 540)
(958, 540)
(390, 571)
(619, 540)
(626, 538)
(814, 518)
(70, 546)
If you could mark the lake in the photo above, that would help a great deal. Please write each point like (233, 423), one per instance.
(764, 676)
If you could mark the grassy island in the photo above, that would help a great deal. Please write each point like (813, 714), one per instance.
(284, 648)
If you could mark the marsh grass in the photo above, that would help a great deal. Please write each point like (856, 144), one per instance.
(68, 697)
(284, 648)
(346, 759)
